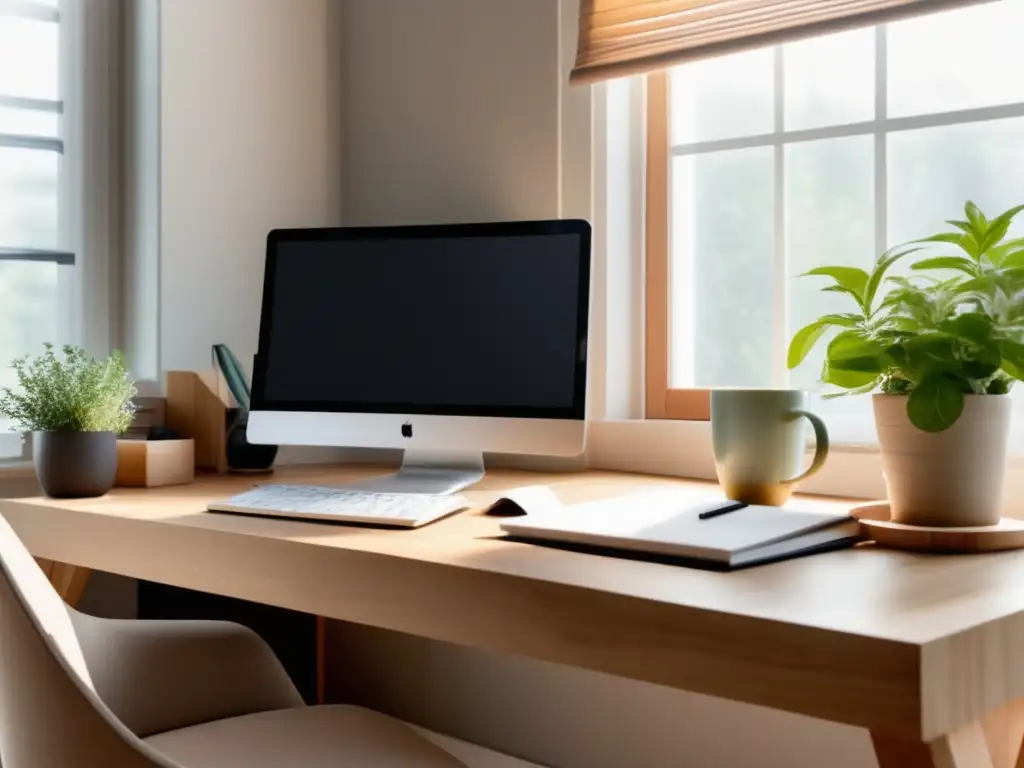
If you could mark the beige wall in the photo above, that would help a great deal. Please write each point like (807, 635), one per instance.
(453, 112)
(435, 130)
(248, 142)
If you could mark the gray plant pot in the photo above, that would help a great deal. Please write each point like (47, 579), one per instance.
(73, 465)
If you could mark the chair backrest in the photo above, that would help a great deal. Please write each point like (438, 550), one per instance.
(50, 715)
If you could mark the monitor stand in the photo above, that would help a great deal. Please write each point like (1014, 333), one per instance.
(428, 472)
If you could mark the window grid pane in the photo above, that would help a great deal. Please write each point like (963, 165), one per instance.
(847, 191)
(29, 62)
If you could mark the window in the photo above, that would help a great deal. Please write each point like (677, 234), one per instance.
(764, 164)
(60, 152)
(35, 272)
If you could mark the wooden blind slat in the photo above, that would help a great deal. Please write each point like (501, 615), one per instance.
(624, 37)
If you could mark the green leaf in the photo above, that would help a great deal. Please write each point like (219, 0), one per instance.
(863, 389)
(897, 356)
(944, 237)
(898, 324)
(997, 253)
(1012, 369)
(847, 379)
(935, 344)
(979, 286)
(1013, 359)
(998, 228)
(1012, 260)
(961, 225)
(965, 241)
(979, 224)
(1010, 280)
(852, 351)
(948, 262)
(803, 342)
(935, 404)
(985, 365)
(920, 356)
(1000, 385)
(851, 279)
(885, 261)
(915, 301)
(847, 291)
(973, 327)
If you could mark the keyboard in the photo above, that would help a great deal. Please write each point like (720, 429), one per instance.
(314, 502)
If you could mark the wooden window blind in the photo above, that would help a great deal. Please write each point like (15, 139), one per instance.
(626, 37)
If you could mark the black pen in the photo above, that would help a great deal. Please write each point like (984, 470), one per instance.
(723, 510)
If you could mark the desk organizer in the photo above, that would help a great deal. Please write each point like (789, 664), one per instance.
(200, 406)
(152, 463)
(197, 407)
(876, 525)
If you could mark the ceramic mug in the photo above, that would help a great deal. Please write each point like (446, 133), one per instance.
(759, 437)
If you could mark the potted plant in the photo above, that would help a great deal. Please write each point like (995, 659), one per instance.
(942, 347)
(75, 409)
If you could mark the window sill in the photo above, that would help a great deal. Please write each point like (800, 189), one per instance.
(683, 449)
(16, 469)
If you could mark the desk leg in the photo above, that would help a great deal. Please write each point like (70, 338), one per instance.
(965, 748)
(321, 660)
(1004, 729)
(68, 580)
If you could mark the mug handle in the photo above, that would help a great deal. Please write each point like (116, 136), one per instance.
(821, 446)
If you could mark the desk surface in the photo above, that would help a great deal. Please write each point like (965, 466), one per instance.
(907, 644)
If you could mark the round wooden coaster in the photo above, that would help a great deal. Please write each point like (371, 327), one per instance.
(875, 523)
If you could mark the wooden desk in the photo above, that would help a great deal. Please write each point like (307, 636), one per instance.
(918, 649)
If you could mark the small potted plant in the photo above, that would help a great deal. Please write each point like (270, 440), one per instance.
(75, 409)
(942, 347)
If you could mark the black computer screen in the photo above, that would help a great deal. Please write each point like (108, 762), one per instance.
(484, 320)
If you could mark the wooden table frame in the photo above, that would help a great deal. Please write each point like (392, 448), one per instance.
(926, 652)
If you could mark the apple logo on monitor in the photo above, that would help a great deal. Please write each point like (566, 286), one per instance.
(407, 429)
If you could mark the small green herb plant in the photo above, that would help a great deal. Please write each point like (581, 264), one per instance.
(76, 394)
(955, 327)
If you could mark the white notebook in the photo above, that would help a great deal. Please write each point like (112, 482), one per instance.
(666, 523)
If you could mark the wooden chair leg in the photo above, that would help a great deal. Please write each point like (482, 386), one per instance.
(68, 580)
(46, 566)
(964, 748)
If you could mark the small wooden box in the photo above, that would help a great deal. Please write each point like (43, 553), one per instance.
(150, 463)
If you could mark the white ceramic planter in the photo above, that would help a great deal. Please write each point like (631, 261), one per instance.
(946, 479)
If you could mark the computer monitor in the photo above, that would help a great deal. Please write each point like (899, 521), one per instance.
(446, 341)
